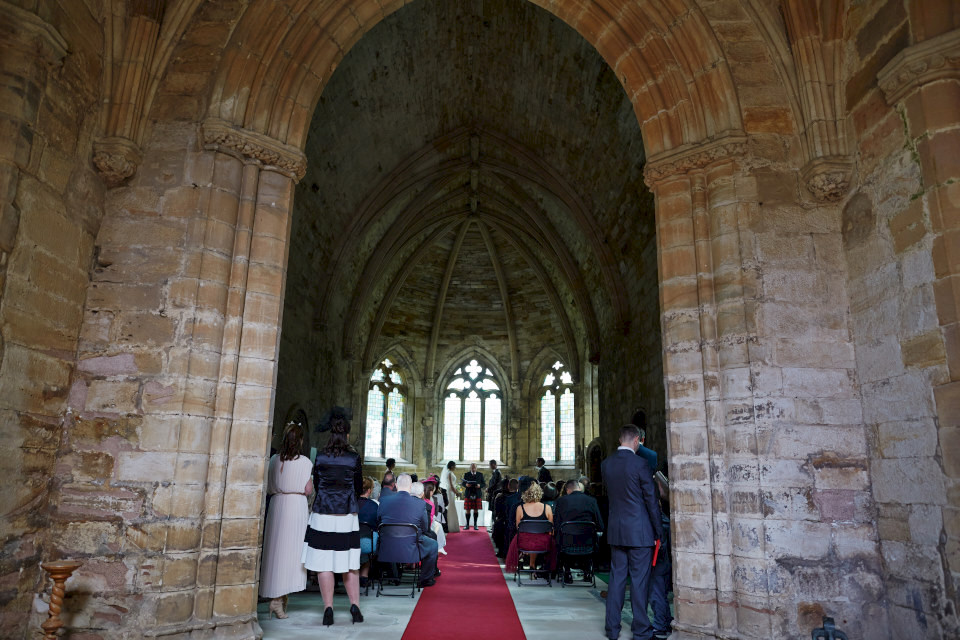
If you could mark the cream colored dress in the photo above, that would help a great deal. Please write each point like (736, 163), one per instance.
(281, 571)
(448, 481)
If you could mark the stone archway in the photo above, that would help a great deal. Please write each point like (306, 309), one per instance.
(186, 341)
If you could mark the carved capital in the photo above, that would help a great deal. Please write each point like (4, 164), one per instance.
(828, 179)
(694, 156)
(934, 59)
(221, 136)
(116, 159)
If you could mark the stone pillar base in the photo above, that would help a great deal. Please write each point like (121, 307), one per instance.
(245, 629)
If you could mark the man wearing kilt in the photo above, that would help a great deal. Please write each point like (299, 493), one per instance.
(473, 494)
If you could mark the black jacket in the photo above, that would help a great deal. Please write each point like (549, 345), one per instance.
(577, 506)
(543, 475)
(339, 482)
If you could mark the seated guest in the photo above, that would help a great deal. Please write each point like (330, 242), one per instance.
(440, 513)
(375, 495)
(405, 509)
(428, 489)
(391, 463)
(513, 502)
(367, 514)
(388, 486)
(576, 506)
(500, 516)
(532, 509)
(549, 496)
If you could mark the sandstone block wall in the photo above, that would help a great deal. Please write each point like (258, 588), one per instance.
(804, 166)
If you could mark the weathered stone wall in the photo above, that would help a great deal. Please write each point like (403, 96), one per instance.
(631, 367)
(51, 203)
(900, 258)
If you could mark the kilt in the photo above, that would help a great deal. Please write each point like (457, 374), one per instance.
(332, 543)
(471, 504)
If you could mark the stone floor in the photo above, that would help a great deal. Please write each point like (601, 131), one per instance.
(546, 613)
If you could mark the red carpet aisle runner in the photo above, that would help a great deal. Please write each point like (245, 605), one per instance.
(470, 600)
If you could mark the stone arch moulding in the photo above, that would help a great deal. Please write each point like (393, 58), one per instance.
(677, 77)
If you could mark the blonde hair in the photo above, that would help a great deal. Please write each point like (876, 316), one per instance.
(533, 494)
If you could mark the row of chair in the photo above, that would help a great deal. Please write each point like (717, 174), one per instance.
(397, 544)
(576, 540)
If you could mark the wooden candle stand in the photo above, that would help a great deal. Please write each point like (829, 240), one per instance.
(59, 571)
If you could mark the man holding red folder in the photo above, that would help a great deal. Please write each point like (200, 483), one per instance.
(634, 532)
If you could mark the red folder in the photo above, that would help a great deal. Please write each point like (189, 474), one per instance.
(656, 551)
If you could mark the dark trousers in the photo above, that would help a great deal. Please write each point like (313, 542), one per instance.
(659, 582)
(634, 561)
(428, 558)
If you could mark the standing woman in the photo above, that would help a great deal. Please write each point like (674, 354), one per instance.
(473, 495)
(332, 543)
(448, 487)
(288, 482)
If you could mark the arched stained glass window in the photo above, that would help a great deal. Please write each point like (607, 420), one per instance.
(557, 415)
(385, 404)
(472, 414)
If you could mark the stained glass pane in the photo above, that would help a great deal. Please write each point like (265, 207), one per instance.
(491, 428)
(471, 427)
(387, 363)
(548, 380)
(451, 428)
(459, 384)
(548, 426)
(488, 385)
(566, 426)
(373, 446)
(488, 372)
(566, 378)
(377, 375)
(394, 425)
(395, 378)
(558, 365)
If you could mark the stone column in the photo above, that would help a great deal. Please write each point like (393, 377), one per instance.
(764, 422)
(923, 84)
(178, 358)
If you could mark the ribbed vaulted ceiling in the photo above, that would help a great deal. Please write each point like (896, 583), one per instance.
(469, 167)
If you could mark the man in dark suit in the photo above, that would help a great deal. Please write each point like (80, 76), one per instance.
(543, 474)
(576, 506)
(404, 508)
(633, 530)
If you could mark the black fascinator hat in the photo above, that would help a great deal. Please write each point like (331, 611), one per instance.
(336, 415)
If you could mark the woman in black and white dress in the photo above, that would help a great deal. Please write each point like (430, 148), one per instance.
(332, 542)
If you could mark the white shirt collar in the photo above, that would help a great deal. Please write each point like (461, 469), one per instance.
(626, 449)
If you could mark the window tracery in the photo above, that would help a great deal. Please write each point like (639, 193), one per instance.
(386, 400)
(557, 421)
(472, 414)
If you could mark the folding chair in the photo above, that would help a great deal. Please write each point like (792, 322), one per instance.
(399, 543)
(366, 533)
(532, 526)
(577, 539)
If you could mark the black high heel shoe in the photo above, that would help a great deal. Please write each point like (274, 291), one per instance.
(355, 612)
(328, 616)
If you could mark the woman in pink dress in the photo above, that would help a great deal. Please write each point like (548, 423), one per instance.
(288, 484)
